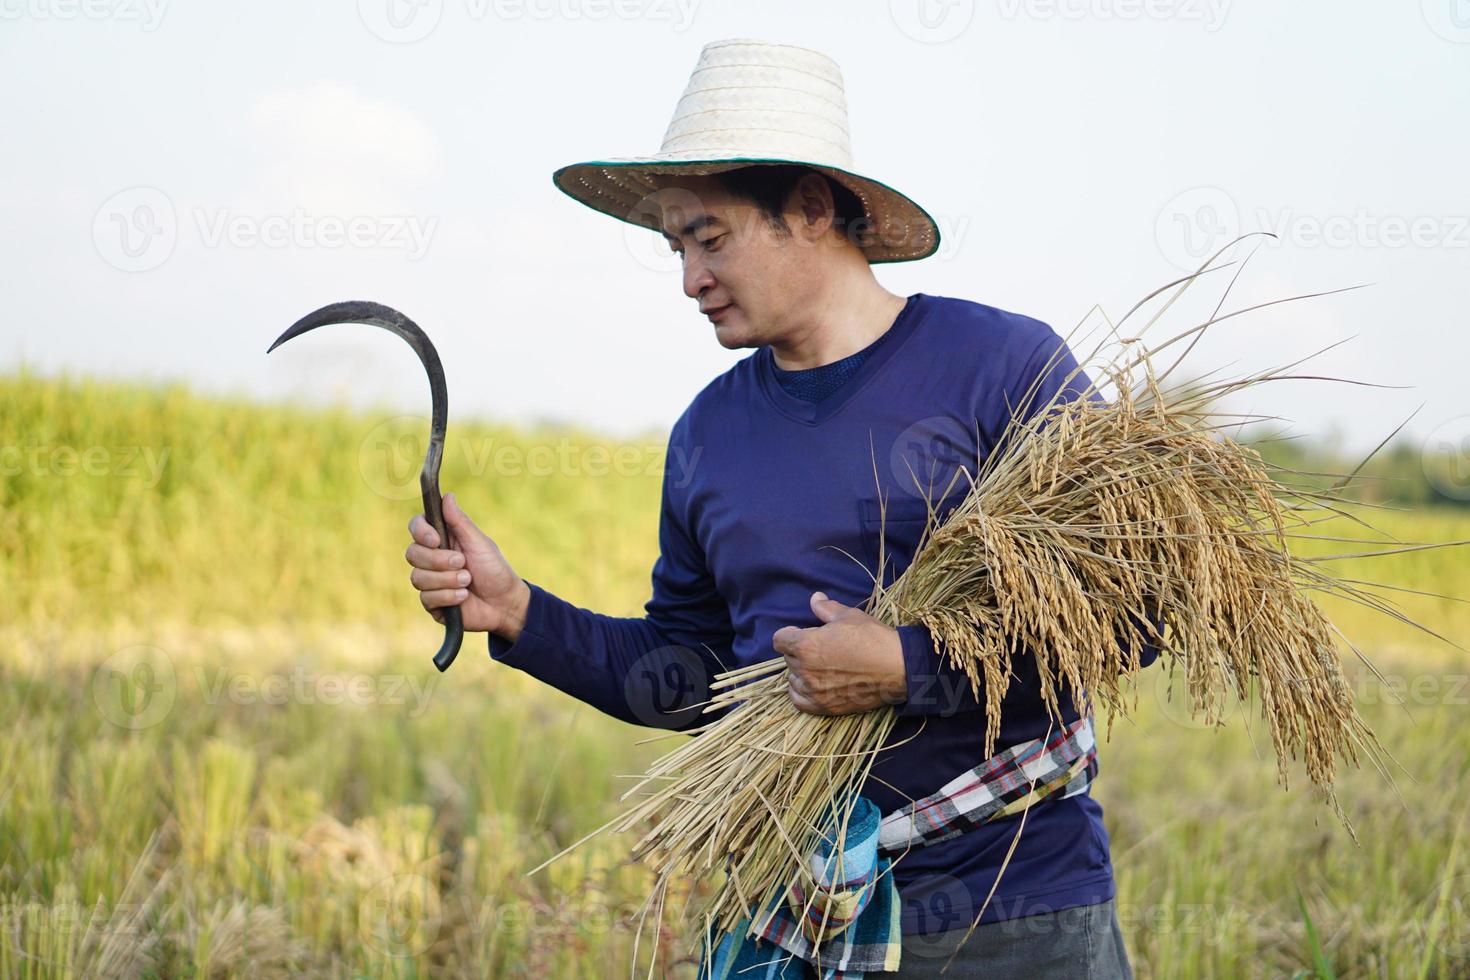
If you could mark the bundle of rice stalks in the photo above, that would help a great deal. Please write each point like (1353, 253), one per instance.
(1096, 525)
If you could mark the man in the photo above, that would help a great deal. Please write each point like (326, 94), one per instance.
(827, 444)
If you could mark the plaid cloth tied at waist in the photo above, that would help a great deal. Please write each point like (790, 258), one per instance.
(845, 919)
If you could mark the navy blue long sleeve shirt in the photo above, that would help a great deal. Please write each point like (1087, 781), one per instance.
(768, 497)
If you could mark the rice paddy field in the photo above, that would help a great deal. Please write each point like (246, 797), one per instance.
(227, 753)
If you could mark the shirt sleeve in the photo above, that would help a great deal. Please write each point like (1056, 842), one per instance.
(935, 685)
(653, 670)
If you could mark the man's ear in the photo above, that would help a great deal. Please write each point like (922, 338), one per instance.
(811, 199)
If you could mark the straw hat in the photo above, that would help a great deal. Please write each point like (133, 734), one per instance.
(755, 102)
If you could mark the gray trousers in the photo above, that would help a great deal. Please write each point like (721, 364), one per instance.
(1081, 943)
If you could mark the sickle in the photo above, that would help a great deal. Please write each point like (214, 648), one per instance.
(358, 311)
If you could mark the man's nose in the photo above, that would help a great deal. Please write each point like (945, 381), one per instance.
(697, 277)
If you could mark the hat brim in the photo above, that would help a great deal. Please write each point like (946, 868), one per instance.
(902, 231)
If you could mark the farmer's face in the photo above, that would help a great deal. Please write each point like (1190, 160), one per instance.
(733, 257)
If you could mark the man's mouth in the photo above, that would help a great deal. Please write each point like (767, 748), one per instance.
(719, 311)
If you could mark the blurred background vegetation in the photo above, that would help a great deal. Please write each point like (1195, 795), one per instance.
(227, 753)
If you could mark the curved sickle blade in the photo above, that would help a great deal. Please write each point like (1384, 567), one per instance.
(378, 315)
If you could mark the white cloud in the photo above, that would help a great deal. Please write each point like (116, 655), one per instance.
(327, 147)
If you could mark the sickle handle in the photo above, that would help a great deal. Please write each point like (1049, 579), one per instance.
(434, 511)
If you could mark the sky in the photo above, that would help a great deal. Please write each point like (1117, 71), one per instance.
(180, 180)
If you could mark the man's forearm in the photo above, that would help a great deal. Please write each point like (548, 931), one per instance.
(625, 666)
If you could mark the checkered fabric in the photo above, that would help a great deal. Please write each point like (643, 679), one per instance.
(848, 923)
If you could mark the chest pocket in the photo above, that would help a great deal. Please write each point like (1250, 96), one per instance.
(902, 521)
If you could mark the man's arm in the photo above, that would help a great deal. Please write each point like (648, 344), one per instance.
(653, 670)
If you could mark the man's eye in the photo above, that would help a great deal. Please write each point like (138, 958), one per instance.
(706, 244)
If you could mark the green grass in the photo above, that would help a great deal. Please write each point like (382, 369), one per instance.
(277, 516)
(228, 755)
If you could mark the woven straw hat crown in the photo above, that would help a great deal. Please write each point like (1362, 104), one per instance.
(754, 103)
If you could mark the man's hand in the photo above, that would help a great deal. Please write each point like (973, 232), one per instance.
(471, 573)
(850, 663)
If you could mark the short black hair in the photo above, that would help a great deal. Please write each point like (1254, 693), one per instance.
(769, 185)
